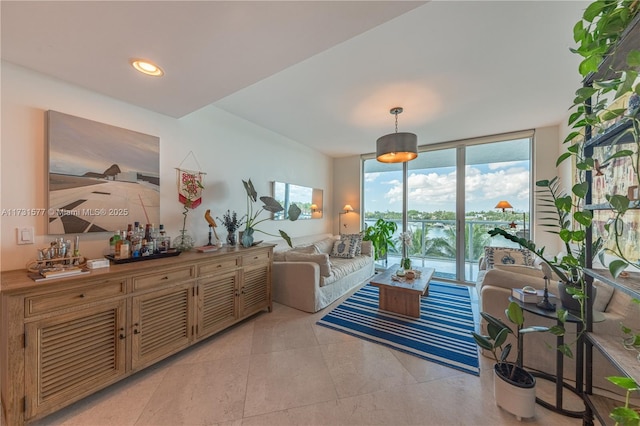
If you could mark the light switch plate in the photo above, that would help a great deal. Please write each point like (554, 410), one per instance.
(25, 235)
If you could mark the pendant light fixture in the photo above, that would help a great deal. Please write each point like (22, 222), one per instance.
(397, 147)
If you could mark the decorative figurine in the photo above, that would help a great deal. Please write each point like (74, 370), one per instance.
(544, 303)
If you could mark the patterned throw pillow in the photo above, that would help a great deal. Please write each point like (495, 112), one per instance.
(507, 256)
(344, 248)
(356, 239)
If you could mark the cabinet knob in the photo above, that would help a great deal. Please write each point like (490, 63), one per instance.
(122, 336)
(82, 295)
(166, 277)
(135, 331)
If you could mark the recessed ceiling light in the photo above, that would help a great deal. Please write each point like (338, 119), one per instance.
(147, 67)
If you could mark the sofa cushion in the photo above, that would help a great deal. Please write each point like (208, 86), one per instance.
(341, 267)
(322, 259)
(279, 255)
(506, 256)
(325, 245)
(355, 239)
(344, 249)
(531, 271)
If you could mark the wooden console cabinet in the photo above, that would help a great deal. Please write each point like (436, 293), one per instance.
(65, 339)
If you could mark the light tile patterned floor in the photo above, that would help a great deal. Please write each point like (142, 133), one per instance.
(281, 368)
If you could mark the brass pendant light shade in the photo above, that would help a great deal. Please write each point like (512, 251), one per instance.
(397, 147)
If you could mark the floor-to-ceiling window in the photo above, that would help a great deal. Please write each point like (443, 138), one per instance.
(452, 193)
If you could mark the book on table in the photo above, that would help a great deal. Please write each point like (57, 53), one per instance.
(526, 297)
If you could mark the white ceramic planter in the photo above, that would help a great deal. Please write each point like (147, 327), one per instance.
(517, 400)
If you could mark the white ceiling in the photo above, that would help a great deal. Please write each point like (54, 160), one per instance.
(323, 73)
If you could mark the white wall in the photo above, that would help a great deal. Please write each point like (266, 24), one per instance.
(228, 148)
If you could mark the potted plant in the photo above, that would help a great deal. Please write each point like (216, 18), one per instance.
(231, 223)
(514, 387)
(270, 205)
(380, 235)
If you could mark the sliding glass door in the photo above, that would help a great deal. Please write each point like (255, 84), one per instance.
(452, 192)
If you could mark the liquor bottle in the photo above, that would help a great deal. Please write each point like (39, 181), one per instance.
(163, 240)
(147, 232)
(112, 243)
(129, 232)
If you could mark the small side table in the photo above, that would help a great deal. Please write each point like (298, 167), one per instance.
(559, 377)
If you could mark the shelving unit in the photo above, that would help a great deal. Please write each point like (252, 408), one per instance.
(611, 347)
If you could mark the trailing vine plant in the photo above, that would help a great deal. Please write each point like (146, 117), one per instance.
(597, 34)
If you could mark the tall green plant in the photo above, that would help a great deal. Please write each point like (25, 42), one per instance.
(597, 35)
(380, 235)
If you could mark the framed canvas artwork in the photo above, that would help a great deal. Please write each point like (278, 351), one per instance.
(101, 177)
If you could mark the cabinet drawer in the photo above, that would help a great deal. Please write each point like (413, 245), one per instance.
(69, 298)
(255, 258)
(143, 282)
(217, 265)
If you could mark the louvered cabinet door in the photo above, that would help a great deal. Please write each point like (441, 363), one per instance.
(161, 324)
(255, 290)
(72, 355)
(217, 303)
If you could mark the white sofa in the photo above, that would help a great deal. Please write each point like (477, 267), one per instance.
(302, 280)
(494, 288)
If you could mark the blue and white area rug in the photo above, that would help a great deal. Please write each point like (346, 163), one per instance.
(441, 335)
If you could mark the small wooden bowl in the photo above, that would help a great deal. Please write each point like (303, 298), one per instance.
(409, 275)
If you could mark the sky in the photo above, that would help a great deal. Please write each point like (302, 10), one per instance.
(434, 189)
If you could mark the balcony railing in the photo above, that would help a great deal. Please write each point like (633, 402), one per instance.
(434, 245)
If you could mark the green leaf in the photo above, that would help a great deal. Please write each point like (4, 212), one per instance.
(625, 416)
(294, 212)
(617, 266)
(251, 192)
(633, 59)
(584, 218)
(557, 330)
(624, 382)
(563, 157)
(592, 11)
(580, 189)
(566, 350)
(515, 314)
(587, 66)
(286, 237)
(612, 114)
(621, 153)
(271, 204)
(620, 203)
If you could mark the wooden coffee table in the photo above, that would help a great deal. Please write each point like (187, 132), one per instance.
(403, 296)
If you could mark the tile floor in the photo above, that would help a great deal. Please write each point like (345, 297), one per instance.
(281, 368)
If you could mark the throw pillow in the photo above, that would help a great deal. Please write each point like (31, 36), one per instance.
(322, 259)
(507, 256)
(324, 246)
(356, 239)
(343, 248)
(309, 249)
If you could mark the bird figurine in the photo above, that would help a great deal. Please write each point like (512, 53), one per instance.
(212, 223)
(599, 167)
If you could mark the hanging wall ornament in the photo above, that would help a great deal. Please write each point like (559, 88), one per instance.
(190, 187)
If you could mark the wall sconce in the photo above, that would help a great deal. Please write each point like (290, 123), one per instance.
(314, 208)
(347, 208)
